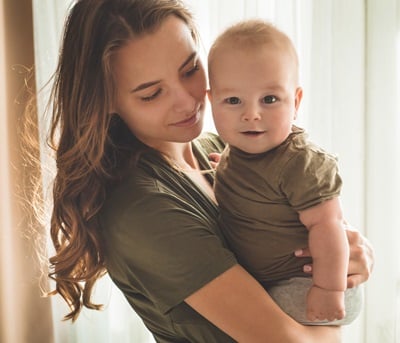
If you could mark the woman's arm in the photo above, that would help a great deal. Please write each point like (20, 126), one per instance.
(237, 304)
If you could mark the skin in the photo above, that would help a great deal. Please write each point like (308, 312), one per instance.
(255, 97)
(161, 97)
(254, 103)
(330, 252)
(164, 79)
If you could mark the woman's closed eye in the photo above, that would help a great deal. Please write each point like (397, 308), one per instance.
(192, 70)
(155, 94)
(151, 96)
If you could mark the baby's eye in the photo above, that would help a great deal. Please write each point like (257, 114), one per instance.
(233, 100)
(270, 99)
(152, 96)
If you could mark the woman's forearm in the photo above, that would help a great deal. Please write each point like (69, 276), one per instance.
(237, 304)
(326, 334)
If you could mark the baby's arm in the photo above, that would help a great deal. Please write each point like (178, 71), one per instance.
(330, 252)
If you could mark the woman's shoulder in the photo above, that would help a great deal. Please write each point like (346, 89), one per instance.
(122, 196)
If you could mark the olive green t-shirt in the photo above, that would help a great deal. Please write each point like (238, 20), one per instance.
(163, 243)
(259, 196)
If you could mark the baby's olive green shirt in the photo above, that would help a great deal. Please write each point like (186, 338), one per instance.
(163, 243)
(259, 196)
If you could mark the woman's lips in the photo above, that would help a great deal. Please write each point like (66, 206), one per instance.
(189, 121)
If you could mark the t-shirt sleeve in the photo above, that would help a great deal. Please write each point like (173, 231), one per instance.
(166, 249)
(211, 142)
(309, 178)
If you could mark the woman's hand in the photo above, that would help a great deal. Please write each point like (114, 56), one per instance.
(362, 258)
(361, 262)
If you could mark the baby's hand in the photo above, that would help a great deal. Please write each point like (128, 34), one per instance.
(323, 304)
(214, 159)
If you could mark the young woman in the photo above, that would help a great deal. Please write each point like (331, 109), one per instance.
(133, 190)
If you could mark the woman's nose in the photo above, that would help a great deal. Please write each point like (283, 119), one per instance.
(184, 99)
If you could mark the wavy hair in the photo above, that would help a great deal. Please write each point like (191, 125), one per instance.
(93, 147)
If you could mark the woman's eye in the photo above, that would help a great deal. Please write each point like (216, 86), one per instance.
(193, 70)
(270, 99)
(152, 96)
(233, 100)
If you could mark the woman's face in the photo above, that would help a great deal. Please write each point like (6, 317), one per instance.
(161, 85)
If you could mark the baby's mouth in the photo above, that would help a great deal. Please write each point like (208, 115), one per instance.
(253, 133)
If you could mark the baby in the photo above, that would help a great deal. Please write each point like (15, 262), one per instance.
(277, 191)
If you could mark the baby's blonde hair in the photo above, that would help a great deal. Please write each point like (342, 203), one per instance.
(252, 34)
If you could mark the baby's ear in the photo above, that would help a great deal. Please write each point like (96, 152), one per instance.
(298, 97)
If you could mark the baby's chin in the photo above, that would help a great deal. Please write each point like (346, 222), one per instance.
(253, 145)
(249, 150)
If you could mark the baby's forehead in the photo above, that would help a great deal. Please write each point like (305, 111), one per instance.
(270, 60)
(249, 49)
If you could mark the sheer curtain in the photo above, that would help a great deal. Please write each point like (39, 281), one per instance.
(349, 56)
(382, 168)
(20, 296)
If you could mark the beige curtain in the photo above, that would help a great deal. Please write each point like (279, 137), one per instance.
(25, 316)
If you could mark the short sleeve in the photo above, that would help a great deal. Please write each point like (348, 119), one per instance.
(309, 178)
(165, 248)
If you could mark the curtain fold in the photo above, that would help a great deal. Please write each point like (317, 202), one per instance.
(20, 295)
(382, 166)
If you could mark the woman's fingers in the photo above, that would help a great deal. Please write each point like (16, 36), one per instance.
(361, 258)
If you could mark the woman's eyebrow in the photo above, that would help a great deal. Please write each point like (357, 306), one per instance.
(152, 83)
(145, 85)
(190, 58)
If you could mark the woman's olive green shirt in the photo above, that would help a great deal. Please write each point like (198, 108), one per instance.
(163, 243)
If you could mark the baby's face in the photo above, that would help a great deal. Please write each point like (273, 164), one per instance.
(254, 97)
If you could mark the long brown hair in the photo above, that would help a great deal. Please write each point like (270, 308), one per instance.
(92, 146)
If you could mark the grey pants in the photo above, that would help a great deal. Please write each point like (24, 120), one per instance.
(291, 296)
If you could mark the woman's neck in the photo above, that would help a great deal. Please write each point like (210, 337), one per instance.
(181, 156)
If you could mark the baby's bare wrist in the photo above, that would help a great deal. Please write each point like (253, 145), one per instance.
(328, 289)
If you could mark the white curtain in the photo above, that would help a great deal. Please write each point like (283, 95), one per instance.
(382, 168)
(350, 71)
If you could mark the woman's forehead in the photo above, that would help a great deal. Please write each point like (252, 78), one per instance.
(153, 53)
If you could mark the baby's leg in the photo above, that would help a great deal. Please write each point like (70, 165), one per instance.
(291, 296)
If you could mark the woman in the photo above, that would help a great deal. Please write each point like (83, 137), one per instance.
(133, 190)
